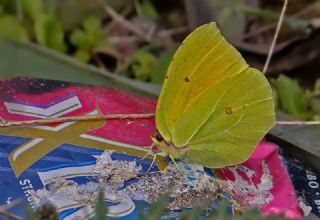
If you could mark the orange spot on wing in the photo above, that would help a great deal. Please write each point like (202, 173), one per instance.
(228, 111)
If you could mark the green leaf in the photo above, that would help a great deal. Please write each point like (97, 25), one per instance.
(49, 32)
(157, 75)
(94, 31)
(145, 61)
(30, 214)
(156, 210)
(33, 8)
(220, 212)
(93, 26)
(90, 37)
(78, 39)
(8, 6)
(47, 211)
(36, 61)
(317, 86)
(314, 99)
(192, 214)
(52, 7)
(83, 55)
(291, 97)
(10, 28)
(101, 209)
(72, 13)
(149, 10)
(252, 214)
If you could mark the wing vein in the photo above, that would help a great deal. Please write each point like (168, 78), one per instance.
(213, 110)
(206, 56)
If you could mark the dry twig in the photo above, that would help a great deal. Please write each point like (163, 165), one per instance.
(74, 118)
(129, 25)
(10, 215)
(298, 122)
(266, 65)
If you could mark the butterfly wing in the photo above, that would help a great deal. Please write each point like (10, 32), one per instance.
(241, 113)
(212, 103)
(201, 61)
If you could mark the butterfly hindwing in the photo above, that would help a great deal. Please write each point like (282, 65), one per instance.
(233, 124)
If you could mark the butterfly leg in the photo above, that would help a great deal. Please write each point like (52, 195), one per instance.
(150, 152)
(153, 161)
(175, 163)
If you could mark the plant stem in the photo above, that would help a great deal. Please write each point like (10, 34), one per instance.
(19, 10)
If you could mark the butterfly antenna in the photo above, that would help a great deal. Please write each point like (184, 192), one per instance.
(175, 163)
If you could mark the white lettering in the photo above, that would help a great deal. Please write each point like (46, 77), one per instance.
(27, 187)
(311, 177)
(313, 184)
(317, 202)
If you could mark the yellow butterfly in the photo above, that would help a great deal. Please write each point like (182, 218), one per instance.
(213, 108)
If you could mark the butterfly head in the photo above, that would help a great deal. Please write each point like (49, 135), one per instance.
(166, 147)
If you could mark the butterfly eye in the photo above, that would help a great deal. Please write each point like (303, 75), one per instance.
(158, 137)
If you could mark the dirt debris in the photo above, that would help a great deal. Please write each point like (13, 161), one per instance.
(191, 188)
(68, 190)
(205, 192)
(115, 172)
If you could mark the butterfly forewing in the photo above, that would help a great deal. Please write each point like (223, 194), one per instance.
(199, 63)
